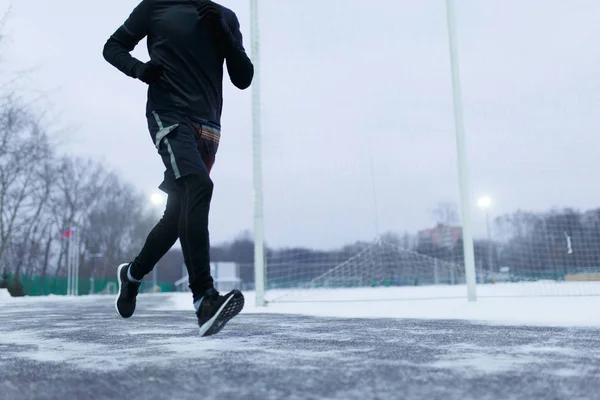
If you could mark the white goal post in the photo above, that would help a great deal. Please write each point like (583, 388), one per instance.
(259, 259)
(260, 275)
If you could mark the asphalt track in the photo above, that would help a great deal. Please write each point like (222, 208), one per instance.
(82, 350)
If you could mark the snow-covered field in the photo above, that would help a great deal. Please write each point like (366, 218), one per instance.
(397, 343)
(539, 303)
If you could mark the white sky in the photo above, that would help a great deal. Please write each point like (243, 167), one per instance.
(345, 82)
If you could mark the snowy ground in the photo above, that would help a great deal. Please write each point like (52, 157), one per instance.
(64, 348)
(538, 303)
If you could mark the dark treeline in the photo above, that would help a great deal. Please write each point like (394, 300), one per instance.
(561, 240)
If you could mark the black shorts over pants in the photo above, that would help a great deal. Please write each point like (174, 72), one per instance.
(187, 146)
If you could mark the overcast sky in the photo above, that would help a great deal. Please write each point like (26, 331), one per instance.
(347, 85)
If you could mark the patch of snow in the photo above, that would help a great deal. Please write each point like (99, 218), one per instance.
(484, 363)
(429, 303)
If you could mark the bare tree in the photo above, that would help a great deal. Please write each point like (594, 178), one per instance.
(42, 194)
(392, 238)
(24, 147)
(118, 224)
(446, 213)
(80, 184)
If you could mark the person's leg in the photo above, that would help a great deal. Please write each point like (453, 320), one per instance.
(212, 309)
(196, 196)
(177, 142)
(184, 149)
(160, 240)
(197, 192)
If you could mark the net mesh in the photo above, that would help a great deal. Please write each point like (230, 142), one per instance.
(359, 154)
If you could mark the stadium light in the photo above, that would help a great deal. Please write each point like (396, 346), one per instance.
(484, 202)
(157, 199)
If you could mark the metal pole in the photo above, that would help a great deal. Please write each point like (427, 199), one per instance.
(69, 264)
(154, 278)
(183, 274)
(92, 275)
(76, 263)
(217, 275)
(469, 252)
(259, 257)
(67, 261)
(490, 244)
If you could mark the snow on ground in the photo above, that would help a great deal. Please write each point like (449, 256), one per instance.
(399, 343)
(571, 305)
(539, 303)
(59, 348)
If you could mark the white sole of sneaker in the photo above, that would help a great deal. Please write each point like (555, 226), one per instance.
(120, 284)
(234, 307)
(208, 324)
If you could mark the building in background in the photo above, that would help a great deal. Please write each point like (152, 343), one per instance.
(440, 236)
(591, 218)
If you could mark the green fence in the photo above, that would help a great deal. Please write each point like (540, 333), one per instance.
(43, 286)
(555, 274)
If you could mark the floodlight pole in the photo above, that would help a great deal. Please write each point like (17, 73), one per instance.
(468, 249)
(259, 257)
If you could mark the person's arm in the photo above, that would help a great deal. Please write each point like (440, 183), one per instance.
(119, 46)
(239, 65)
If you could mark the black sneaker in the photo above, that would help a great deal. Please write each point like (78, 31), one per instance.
(216, 310)
(128, 290)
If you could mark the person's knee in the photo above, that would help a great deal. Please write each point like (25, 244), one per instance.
(171, 213)
(197, 184)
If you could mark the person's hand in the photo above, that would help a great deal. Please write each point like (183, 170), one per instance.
(150, 72)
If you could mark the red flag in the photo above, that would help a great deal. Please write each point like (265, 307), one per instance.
(68, 233)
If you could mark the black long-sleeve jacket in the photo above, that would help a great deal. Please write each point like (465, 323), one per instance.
(192, 51)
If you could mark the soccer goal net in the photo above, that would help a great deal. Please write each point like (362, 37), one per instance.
(360, 183)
